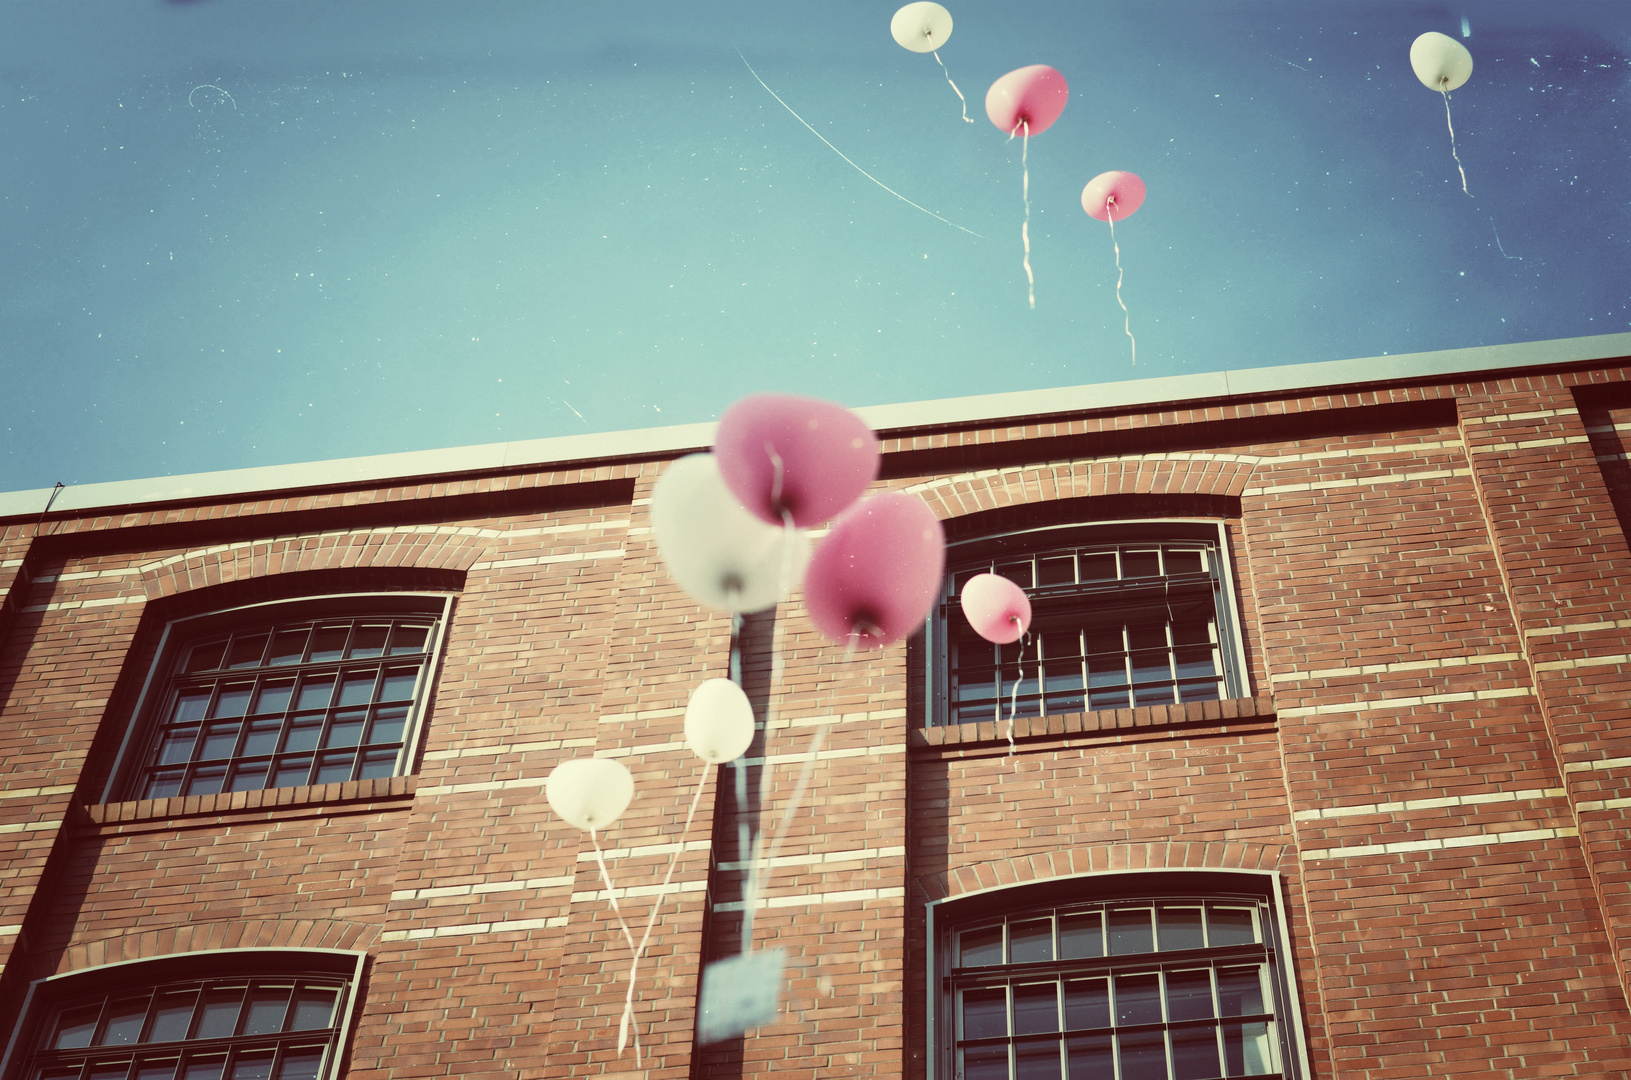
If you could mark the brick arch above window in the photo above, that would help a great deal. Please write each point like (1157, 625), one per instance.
(1217, 475)
(201, 937)
(1102, 859)
(417, 547)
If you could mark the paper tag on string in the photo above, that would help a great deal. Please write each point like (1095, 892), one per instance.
(740, 993)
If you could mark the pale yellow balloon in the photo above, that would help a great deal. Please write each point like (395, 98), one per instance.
(590, 793)
(1440, 62)
(718, 721)
(921, 27)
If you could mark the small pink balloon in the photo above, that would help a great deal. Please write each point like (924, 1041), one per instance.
(874, 577)
(1118, 193)
(997, 608)
(1033, 96)
(828, 456)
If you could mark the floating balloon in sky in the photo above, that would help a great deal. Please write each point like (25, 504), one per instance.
(996, 608)
(1442, 63)
(719, 553)
(1109, 196)
(718, 721)
(924, 27)
(875, 575)
(1026, 102)
(804, 458)
(589, 793)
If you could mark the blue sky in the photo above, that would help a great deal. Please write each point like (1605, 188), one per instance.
(250, 233)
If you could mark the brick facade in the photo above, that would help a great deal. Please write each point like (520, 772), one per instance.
(1432, 755)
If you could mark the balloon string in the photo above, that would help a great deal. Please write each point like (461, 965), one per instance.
(1025, 226)
(792, 807)
(1126, 317)
(1451, 125)
(1013, 701)
(662, 890)
(967, 119)
(628, 935)
(752, 890)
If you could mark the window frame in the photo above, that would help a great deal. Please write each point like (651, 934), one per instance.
(944, 918)
(47, 997)
(1236, 676)
(177, 634)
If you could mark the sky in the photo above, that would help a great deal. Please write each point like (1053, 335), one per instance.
(255, 232)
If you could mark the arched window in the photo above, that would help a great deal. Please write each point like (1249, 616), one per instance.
(1123, 615)
(284, 695)
(1157, 976)
(233, 1015)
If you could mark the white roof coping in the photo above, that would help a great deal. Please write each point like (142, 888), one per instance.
(642, 443)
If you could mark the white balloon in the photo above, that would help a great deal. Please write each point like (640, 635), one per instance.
(721, 554)
(590, 793)
(718, 721)
(1441, 62)
(921, 27)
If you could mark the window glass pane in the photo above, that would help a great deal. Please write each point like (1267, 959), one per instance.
(1017, 572)
(176, 745)
(58, 1074)
(234, 699)
(219, 1016)
(979, 948)
(377, 763)
(985, 1063)
(409, 639)
(1249, 1048)
(1056, 570)
(1230, 926)
(75, 1028)
(1140, 564)
(206, 780)
(398, 684)
(369, 641)
(1138, 999)
(261, 737)
(1180, 561)
(206, 657)
(248, 777)
(985, 1013)
(346, 729)
(358, 689)
(303, 735)
(157, 1070)
(334, 768)
(301, 1064)
(1240, 992)
(288, 647)
(124, 1024)
(206, 1067)
(190, 706)
(110, 1072)
(1036, 1008)
(219, 739)
(1087, 1003)
(172, 1017)
(1142, 1055)
(274, 696)
(292, 772)
(1180, 928)
(1037, 1061)
(313, 1008)
(1030, 942)
(1189, 994)
(247, 650)
(1091, 1058)
(1081, 936)
(1195, 1053)
(388, 725)
(1130, 931)
(163, 784)
(256, 1065)
(329, 642)
(1098, 566)
(316, 692)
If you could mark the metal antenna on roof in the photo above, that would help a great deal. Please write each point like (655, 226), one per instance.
(54, 493)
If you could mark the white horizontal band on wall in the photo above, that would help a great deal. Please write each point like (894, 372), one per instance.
(500, 750)
(1503, 418)
(71, 605)
(1578, 628)
(1407, 702)
(483, 887)
(31, 826)
(820, 857)
(815, 899)
(474, 929)
(1398, 666)
(36, 792)
(1432, 803)
(1359, 481)
(595, 895)
(646, 852)
(1531, 444)
(1583, 662)
(544, 560)
(1517, 836)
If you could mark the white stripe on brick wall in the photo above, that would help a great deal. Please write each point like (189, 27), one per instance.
(486, 785)
(1517, 836)
(1600, 765)
(813, 899)
(11, 929)
(1407, 702)
(7, 564)
(504, 750)
(698, 885)
(647, 851)
(647, 714)
(1501, 418)
(644, 748)
(544, 560)
(1584, 661)
(71, 605)
(818, 719)
(823, 755)
(1433, 803)
(820, 857)
(1601, 804)
(561, 530)
(472, 929)
(267, 543)
(36, 792)
(1358, 481)
(124, 571)
(1402, 665)
(482, 888)
(1530, 444)
(1578, 628)
(30, 826)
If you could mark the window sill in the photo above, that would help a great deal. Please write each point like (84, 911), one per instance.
(385, 787)
(1071, 727)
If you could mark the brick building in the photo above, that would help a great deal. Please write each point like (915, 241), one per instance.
(1318, 767)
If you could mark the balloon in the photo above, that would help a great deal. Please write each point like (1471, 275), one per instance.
(718, 721)
(1441, 62)
(1115, 194)
(997, 608)
(921, 27)
(719, 553)
(589, 793)
(828, 456)
(1027, 101)
(874, 577)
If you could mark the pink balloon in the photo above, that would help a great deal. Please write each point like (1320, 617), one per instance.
(1034, 96)
(828, 456)
(874, 577)
(997, 608)
(1113, 192)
